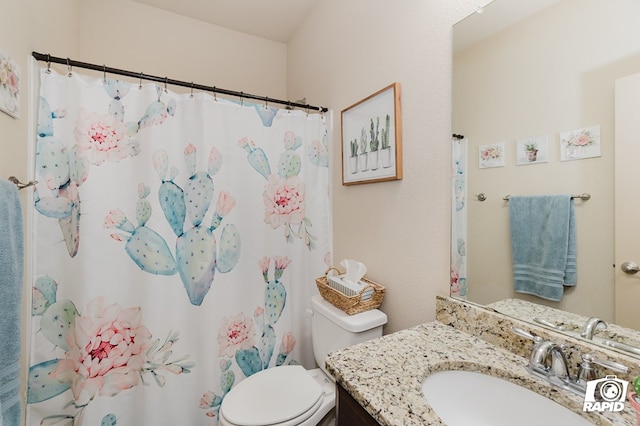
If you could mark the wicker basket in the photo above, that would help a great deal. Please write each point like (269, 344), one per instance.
(350, 304)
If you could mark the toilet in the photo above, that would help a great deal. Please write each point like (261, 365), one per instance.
(290, 395)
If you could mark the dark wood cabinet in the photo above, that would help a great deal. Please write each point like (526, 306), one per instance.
(349, 412)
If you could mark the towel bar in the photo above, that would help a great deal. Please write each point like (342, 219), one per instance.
(584, 196)
(21, 185)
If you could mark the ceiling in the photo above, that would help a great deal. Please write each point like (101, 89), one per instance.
(277, 20)
(274, 20)
(495, 17)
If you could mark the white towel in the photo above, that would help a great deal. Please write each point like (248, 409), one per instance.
(11, 275)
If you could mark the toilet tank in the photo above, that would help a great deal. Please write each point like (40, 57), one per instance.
(333, 329)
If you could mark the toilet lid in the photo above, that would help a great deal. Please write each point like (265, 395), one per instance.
(272, 396)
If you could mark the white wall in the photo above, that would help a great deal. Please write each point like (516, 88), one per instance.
(345, 51)
(132, 36)
(547, 75)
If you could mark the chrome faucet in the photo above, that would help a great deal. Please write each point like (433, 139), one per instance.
(591, 326)
(549, 362)
(558, 367)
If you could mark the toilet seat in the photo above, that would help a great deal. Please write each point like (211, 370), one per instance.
(283, 396)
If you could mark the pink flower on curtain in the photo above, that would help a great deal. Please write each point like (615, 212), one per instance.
(281, 264)
(225, 203)
(103, 138)
(283, 201)
(455, 281)
(287, 344)
(107, 351)
(235, 333)
(264, 267)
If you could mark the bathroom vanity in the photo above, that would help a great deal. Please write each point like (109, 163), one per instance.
(380, 382)
(349, 411)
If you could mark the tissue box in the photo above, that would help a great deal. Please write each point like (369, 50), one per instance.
(351, 304)
(349, 289)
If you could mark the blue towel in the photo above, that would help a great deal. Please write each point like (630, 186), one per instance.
(543, 244)
(11, 274)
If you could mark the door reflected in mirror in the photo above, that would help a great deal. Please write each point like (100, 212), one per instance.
(547, 74)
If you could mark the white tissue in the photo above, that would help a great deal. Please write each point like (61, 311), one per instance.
(354, 271)
(349, 283)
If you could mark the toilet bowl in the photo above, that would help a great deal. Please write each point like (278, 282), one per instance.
(291, 395)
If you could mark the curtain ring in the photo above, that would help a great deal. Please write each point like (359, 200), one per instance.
(191, 95)
(215, 94)
(307, 110)
(69, 68)
(241, 98)
(140, 83)
(165, 84)
(48, 71)
(104, 73)
(266, 102)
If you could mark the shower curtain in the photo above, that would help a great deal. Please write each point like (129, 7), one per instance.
(177, 241)
(459, 218)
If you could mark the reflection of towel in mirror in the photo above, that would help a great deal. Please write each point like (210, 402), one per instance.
(11, 263)
(543, 244)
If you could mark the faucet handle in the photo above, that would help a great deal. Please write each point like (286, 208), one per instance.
(611, 365)
(526, 334)
(587, 372)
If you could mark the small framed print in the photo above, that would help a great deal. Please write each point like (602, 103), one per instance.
(9, 86)
(580, 143)
(533, 150)
(491, 155)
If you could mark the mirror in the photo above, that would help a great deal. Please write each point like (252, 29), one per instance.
(534, 78)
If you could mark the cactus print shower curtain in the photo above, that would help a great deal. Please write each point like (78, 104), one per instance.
(459, 218)
(177, 241)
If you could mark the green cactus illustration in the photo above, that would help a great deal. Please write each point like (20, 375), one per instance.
(354, 148)
(109, 420)
(318, 153)
(197, 252)
(363, 141)
(384, 133)
(63, 167)
(374, 142)
(43, 294)
(41, 385)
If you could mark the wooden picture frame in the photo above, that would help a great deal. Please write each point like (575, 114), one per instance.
(371, 138)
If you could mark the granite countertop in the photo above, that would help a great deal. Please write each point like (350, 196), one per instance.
(569, 322)
(385, 375)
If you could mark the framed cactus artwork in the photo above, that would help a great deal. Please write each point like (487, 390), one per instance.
(372, 138)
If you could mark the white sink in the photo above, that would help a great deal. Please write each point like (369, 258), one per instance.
(465, 398)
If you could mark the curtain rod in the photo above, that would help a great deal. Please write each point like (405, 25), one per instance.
(108, 70)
